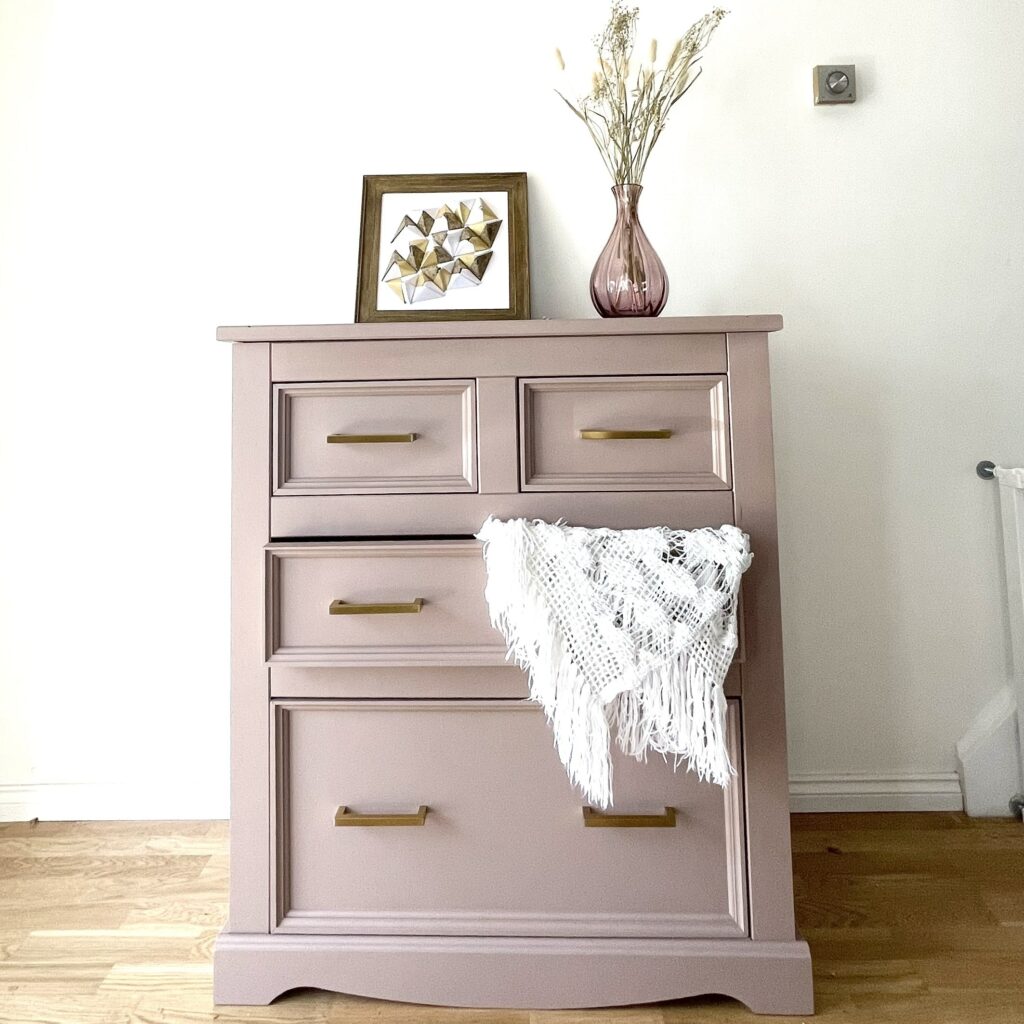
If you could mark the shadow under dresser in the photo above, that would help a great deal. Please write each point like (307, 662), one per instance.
(401, 826)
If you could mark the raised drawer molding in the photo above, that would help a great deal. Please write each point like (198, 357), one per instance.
(384, 438)
(401, 825)
(484, 771)
(326, 600)
(625, 434)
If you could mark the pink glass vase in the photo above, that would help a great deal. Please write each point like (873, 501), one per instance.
(628, 279)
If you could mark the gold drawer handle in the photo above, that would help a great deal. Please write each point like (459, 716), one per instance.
(397, 608)
(370, 438)
(625, 435)
(346, 816)
(596, 819)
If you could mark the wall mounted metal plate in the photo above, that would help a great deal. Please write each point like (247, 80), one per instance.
(835, 83)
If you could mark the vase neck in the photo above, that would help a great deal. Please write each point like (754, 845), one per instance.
(626, 199)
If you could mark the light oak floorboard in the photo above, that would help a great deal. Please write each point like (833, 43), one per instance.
(915, 918)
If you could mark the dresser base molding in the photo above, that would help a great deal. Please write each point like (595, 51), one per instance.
(521, 973)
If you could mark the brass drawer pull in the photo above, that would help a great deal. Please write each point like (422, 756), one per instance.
(370, 438)
(346, 816)
(597, 819)
(397, 608)
(625, 435)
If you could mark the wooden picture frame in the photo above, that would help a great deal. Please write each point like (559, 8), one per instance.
(443, 247)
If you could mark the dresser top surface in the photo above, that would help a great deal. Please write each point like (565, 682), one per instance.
(760, 324)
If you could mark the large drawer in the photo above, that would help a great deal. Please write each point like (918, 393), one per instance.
(502, 848)
(385, 437)
(369, 603)
(624, 433)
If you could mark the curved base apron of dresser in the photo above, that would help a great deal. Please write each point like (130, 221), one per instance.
(520, 973)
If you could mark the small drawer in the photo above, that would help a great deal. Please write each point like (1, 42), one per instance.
(389, 437)
(456, 818)
(367, 603)
(624, 434)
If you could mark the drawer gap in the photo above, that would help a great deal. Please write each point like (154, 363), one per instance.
(377, 538)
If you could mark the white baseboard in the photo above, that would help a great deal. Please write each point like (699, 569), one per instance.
(112, 801)
(934, 791)
(196, 799)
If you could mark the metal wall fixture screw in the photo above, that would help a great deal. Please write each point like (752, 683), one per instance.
(838, 81)
(835, 83)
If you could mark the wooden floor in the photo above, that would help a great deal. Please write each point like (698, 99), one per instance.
(910, 917)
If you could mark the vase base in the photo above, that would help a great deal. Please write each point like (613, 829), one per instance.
(622, 316)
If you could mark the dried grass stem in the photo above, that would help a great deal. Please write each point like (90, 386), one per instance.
(625, 112)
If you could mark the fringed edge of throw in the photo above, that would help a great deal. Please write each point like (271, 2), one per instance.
(678, 714)
(681, 715)
(579, 724)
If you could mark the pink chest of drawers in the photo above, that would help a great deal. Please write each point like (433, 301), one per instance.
(401, 826)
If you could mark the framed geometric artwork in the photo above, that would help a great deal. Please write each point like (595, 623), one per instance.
(443, 247)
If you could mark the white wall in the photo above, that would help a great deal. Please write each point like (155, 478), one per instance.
(168, 167)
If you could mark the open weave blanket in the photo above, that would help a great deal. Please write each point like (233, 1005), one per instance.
(624, 631)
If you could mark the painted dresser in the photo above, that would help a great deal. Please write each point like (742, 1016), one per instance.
(401, 825)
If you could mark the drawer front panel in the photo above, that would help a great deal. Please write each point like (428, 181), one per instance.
(624, 433)
(375, 438)
(355, 603)
(502, 848)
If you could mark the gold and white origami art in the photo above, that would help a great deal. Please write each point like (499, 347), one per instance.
(445, 248)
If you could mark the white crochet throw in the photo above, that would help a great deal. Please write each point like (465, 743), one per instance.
(624, 631)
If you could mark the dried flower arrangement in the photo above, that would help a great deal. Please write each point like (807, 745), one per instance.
(626, 110)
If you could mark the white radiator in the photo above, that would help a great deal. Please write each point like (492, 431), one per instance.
(1011, 502)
